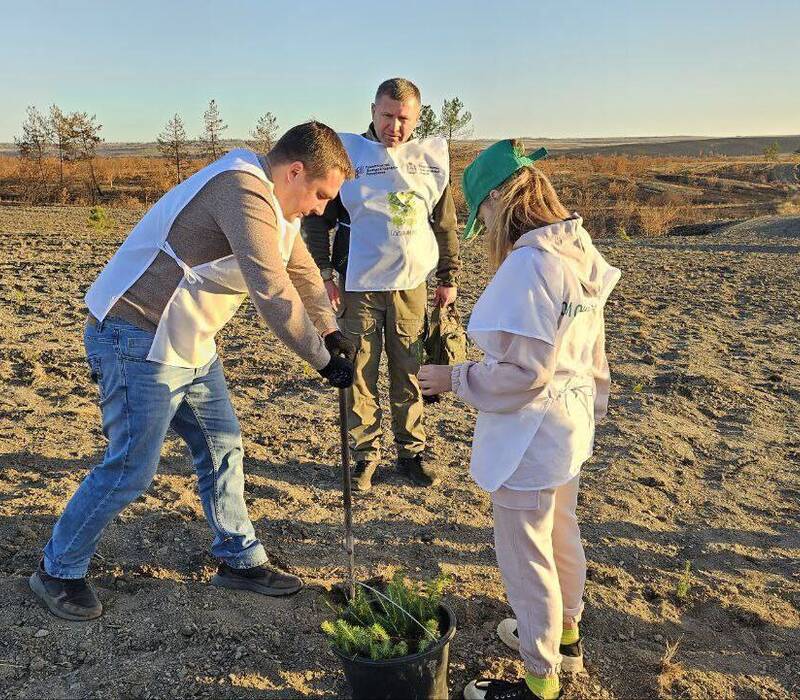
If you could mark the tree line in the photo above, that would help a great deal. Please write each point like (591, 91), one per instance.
(176, 147)
(73, 137)
(69, 136)
(63, 137)
(452, 122)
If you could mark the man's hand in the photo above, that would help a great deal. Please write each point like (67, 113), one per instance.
(339, 372)
(338, 344)
(333, 294)
(444, 296)
(435, 379)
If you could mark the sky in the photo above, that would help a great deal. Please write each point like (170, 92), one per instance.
(546, 68)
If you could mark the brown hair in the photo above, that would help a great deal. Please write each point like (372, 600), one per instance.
(526, 201)
(398, 89)
(316, 146)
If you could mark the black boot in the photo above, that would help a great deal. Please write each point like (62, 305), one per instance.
(362, 474)
(415, 469)
(67, 598)
(259, 579)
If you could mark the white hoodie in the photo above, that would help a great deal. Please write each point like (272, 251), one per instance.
(544, 380)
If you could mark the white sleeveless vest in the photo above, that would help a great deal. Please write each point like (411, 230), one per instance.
(208, 295)
(390, 202)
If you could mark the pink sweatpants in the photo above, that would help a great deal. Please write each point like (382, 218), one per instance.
(541, 559)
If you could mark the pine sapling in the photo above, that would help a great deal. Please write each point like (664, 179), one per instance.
(385, 625)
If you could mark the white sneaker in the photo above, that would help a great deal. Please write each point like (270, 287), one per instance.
(507, 631)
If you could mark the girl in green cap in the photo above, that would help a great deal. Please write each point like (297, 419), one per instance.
(543, 383)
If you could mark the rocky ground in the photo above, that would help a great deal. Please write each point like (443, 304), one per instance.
(690, 508)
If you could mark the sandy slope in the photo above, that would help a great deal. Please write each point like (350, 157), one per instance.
(697, 462)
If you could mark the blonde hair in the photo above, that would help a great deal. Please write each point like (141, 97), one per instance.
(399, 89)
(526, 201)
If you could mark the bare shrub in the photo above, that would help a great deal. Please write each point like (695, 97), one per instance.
(668, 198)
(610, 165)
(8, 166)
(127, 202)
(622, 221)
(791, 207)
(670, 670)
(656, 221)
(622, 189)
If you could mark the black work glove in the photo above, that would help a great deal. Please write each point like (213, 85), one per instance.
(339, 372)
(338, 344)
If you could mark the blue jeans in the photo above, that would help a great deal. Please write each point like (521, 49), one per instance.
(139, 401)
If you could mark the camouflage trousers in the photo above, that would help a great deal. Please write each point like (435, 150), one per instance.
(393, 321)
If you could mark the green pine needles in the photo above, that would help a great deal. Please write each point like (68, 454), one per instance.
(99, 219)
(402, 620)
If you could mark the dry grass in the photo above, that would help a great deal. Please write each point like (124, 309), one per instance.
(123, 180)
(791, 207)
(622, 196)
(657, 220)
(670, 670)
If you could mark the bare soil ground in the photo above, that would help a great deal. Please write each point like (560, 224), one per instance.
(697, 462)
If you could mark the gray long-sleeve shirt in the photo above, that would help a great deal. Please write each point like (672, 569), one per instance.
(234, 214)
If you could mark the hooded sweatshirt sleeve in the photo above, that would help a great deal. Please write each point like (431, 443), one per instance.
(602, 375)
(523, 369)
(242, 208)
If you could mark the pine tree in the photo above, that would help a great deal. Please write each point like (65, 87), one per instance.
(403, 620)
(173, 145)
(428, 124)
(36, 136)
(454, 122)
(86, 136)
(63, 139)
(772, 152)
(265, 133)
(214, 126)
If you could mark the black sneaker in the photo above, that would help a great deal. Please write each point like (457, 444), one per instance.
(67, 598)
(362, 474)
(571, 654)
(496, 689)
(259, 579)
(415, 469)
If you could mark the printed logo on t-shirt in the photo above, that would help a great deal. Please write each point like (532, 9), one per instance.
(383, 168)
(422, 169)
(374, 169)
(403, 212)
(572, 310)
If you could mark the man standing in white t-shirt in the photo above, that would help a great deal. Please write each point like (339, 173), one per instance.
(394, 223)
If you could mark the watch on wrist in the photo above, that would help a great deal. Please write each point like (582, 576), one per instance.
(326, 274)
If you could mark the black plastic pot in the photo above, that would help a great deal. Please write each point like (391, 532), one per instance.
(415, 677)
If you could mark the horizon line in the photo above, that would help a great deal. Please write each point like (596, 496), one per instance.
(676, 137)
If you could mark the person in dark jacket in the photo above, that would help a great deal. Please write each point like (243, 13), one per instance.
(392, 226)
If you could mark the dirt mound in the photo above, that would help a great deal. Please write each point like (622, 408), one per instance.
(763, 230)
(696, 464)
(786, 173)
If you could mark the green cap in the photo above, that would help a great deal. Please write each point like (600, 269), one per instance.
(490, 169)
